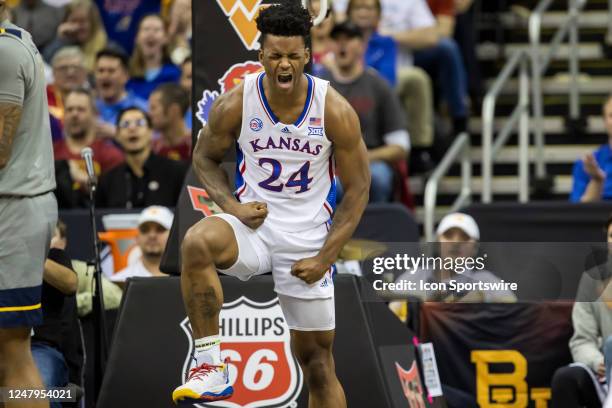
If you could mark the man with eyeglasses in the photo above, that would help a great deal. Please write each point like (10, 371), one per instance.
(144, 179)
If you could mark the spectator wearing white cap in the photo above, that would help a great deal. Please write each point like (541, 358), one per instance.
(153, 229)
(458, 235)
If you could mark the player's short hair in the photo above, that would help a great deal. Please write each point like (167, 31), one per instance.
(173, 93)
(115, 53)
(133, 108)
(287, 19)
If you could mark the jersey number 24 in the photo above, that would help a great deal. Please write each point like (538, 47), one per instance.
(299, 179)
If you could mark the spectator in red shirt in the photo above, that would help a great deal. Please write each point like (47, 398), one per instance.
(167, 107)
(79, 132)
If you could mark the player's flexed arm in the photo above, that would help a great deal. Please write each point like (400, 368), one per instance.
(342, 128)
(215, 140)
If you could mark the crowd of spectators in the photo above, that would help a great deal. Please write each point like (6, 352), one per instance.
(118, 81)
(137, 54)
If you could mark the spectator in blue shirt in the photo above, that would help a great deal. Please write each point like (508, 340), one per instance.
(111, 76)
(150, 63)
(381, 51)
(592, 174)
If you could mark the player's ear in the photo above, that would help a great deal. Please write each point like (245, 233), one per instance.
(307, 54)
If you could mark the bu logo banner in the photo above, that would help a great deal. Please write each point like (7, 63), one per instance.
(256, 339)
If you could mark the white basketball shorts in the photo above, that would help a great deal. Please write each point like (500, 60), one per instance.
(306, 307)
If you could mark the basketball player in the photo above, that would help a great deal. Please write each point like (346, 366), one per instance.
(28, 210)
(289, 129)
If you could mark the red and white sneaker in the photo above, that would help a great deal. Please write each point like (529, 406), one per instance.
(205, 383)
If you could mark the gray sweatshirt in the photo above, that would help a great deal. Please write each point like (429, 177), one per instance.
(592, 320)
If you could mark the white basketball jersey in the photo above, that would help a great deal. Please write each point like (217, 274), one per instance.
(288, 166)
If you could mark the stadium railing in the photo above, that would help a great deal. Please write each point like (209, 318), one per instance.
(540, 63)
(460, 149)
(520, 116)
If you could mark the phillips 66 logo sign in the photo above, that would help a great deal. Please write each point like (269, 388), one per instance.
(256, 339)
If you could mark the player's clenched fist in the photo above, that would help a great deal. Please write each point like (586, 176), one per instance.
(310, 270)
(252, 214)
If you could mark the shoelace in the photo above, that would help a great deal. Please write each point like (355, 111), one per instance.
(203, 370)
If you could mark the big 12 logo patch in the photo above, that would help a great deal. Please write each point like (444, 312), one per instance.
(262, 369)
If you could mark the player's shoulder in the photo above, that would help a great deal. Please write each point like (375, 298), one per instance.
(341, 120)
(11, 42)
(14, 38)
(11, 32)
(14, 46)
(228, 103)
(336, 106)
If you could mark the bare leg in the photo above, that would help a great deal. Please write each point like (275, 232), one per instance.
(207, 245)
(313, 350)
(17, 368)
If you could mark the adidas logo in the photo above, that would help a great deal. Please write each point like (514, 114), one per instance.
(285, 130)
(324, 284)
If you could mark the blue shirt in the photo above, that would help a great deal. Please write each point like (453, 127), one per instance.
(381, 54)
(108, 112)
(603, 157)
(143, 87)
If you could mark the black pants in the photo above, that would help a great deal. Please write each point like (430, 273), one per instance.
(572, 387)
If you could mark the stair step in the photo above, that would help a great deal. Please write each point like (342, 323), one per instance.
(501, 185)
(551, 20)
(554, 154)
(552, 125)
(560, 5)
(492, 51)
(560, 85)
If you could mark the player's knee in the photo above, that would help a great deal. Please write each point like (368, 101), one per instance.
(319, 369)
(196, 245)
(14, 346)
(316, 361)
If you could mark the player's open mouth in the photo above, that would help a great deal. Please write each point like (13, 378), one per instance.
(284, 78)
